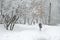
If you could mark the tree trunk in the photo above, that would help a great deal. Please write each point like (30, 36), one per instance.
(49, 20)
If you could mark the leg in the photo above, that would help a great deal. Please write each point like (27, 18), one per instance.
(40, 29)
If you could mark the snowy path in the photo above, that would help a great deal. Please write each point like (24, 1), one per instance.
(24, 35)
(30, 32)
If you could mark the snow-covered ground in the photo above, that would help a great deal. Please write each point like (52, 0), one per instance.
(30, 32)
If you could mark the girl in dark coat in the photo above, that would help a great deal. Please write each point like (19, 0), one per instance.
(40, 26)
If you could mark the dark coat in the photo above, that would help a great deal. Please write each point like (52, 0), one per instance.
(40, 25)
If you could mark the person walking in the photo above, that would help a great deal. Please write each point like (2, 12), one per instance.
(40, 26)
